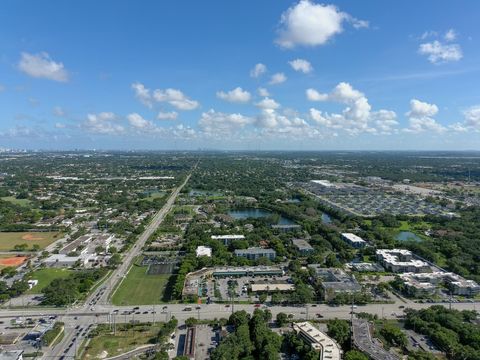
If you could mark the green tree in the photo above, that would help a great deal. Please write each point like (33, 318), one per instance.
(355, 355)
(339, 330)
(282, 319)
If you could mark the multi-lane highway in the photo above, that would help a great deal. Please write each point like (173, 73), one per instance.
(103, 293)
(78, 320)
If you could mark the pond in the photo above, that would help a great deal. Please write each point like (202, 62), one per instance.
(326, 219)
(407, 236)
(241, 214)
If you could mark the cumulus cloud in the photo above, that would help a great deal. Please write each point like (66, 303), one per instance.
(142, 94)
(263, 92)
(421, 119)
(176, 98)
(277, 78)
(314, 95)
(419, 109)
(471, 120)
(217, 123)
(267, 103)
(103, 123)
(309, 24)
(438, 52)
(167, 115)
(357, 117)
(301, 65)
(258, 70)
(60, 125)
(42, 66)
(237, 95)
(138, 122)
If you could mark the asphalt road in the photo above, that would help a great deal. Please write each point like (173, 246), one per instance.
(103, 294)
(79, 319)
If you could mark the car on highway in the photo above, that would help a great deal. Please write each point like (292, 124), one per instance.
(188, 308)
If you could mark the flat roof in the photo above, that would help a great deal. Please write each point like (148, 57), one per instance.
(353, 238)
(329, 349)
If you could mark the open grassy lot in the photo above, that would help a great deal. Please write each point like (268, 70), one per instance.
(139, 288)
(14, 200)
(45, 277)
(127, 338)
(8, 240)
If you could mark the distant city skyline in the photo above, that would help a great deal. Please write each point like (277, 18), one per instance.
(270, 75)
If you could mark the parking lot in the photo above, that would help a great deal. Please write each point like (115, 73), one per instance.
(238, 287)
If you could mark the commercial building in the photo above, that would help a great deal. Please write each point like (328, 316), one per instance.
(227, 239)
(401, 261)
(427, 284)
(272, 286)
(335, 281)
(328, 348)
(303, 247)
(354, 240)
(203, 251)
(255, 253)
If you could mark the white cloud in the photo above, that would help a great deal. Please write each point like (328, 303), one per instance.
(301, 65)
(258, 70)
(357, 117)
(314, 95)
(103, 123)
(420, 118)
(142, 94)
(42, 66)
(263, 92)
(176, 98)
(267, 103)
(471, 120)
(217, 123)
(237, 95)
(311, 24)
(60, 125)
(167, 115)
(419, 109)
(138, 122)
(450, 35)
(438, 52)
(277, 78)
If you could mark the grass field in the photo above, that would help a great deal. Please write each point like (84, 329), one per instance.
(105, 344)
(138, 288)
(14, 200)
(9, 239)
(45, 277)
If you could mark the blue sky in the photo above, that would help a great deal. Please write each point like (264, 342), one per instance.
(181, 75)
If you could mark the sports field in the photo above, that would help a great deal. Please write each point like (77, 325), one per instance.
(45, 277)
(11, 261)
(8, 240)
(140, 288)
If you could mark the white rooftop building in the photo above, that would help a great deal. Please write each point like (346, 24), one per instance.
(354, 240)
(227, 239)
(203, 251)
(328, 348)
(401, 261)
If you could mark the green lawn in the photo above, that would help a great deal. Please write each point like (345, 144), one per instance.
(45, 277)
(14, 200)
(139, 288)
(106, 344)
(156, 195)
(9, 239)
